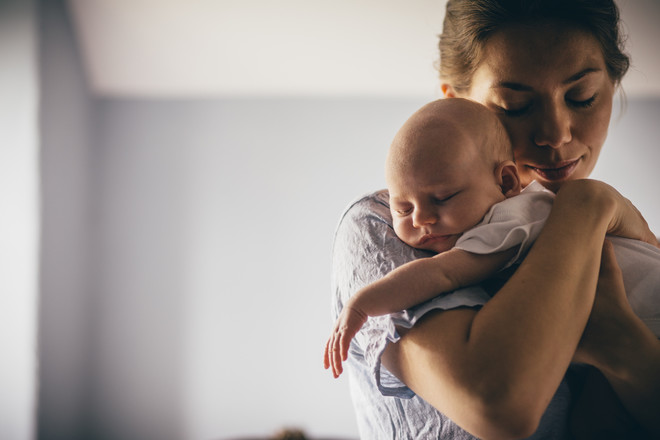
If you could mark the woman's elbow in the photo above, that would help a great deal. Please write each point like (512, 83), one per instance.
(502, 416)
(508, 425)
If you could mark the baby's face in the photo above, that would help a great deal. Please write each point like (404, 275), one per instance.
(435, 199)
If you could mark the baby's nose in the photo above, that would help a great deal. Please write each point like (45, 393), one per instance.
(424, 217)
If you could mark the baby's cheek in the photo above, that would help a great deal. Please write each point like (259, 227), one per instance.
(403, 231)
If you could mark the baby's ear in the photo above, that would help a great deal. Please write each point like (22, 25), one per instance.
(507, 177)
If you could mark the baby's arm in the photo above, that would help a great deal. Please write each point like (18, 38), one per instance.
(406, 286)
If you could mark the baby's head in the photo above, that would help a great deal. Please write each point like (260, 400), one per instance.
(448, 164)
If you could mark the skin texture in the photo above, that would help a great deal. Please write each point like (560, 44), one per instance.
(495, 369)
(442, 173)
(556, 104)
(446, 167)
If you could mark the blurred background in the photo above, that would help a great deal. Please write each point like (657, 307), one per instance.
(171, 174)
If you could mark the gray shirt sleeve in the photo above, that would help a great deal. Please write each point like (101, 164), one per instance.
(366, 249)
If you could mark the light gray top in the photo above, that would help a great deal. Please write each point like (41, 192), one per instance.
(365, 249)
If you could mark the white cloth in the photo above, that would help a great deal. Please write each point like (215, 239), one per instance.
(517, 221)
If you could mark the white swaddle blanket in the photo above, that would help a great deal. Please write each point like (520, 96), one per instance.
(517, 221)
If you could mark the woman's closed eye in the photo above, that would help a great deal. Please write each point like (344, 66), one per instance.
(520, 110)
(585, 103)
(514, 111)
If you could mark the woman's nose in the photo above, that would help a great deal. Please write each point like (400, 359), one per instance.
(422, 217)
(553, 127)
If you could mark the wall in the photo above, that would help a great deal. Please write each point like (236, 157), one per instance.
(66, 124)
(631, 156)
(217, 223)
(186, 245)
(19, 217)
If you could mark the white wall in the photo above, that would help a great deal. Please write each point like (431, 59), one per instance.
(19, 218)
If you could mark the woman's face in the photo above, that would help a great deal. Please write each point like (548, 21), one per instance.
(550, 87)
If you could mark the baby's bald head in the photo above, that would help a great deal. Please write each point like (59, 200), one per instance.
(447, 129)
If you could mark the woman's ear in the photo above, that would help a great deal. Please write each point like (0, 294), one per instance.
(508, 179)
(447, 90)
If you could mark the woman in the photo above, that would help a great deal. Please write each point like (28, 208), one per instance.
(499, 367)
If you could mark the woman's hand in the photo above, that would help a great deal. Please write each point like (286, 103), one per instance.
(625, 219)
(628, 221)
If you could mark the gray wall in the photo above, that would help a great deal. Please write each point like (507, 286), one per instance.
(216, 222)
(631, 156)
(186, 251)
(217, 219)
(66, 125)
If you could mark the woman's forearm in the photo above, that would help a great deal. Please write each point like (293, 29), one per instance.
(531, 328)
(510, 356)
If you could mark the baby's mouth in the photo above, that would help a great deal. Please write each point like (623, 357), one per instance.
(429, 238)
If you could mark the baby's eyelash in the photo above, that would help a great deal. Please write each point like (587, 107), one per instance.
(444, 199)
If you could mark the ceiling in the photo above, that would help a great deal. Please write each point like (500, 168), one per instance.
(218, 48)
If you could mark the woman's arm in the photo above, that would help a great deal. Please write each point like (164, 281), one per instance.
(406, 286)
(495, 370)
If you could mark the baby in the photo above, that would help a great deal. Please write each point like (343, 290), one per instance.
(454, 190)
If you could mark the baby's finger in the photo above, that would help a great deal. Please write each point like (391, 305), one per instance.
(326, 358)
(331, 354)
(336, 356)
(344, 343)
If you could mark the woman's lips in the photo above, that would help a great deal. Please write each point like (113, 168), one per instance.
(560, 171)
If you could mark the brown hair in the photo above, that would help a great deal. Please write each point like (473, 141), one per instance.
(469, 23)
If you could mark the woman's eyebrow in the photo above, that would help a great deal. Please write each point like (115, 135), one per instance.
(512, 85)
(581, 74)
(525, 88)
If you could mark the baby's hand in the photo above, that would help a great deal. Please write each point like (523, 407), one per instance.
(350, 321)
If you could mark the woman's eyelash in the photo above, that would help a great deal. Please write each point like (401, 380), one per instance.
(583, 104)
(516, 112)
(579, 104)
